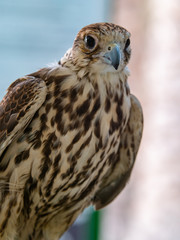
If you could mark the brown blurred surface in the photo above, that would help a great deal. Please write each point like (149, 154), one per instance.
(149, 208)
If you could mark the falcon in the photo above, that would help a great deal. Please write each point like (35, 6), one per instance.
(69, 136)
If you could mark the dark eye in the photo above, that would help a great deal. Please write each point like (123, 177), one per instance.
(127, 43)
(90, 42)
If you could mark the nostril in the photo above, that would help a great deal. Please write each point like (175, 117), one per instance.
(107, 57)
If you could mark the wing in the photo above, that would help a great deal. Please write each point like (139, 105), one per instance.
(24, 97)
(117, 177)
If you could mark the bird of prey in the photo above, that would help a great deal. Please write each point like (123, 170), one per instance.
(69, 135)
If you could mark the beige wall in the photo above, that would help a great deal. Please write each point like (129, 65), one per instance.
(149, 208)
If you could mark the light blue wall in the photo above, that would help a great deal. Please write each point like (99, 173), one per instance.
(37, 32)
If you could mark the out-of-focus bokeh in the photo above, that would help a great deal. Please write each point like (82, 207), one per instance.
(35, 33)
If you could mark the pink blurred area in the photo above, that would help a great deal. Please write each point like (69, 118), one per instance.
(149, 208)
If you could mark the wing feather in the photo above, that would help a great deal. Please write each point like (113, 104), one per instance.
(23, 98)
(117, 177)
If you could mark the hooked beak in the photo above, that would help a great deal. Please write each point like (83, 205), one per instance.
(113, 55)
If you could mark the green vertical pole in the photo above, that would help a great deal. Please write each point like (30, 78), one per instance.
(94, 226)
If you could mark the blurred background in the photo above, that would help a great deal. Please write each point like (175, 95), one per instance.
(35, 33)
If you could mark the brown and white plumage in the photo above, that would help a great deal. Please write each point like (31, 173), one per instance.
(69, 135)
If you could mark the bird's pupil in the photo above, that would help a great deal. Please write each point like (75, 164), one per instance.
(127, 43)
(90, 42)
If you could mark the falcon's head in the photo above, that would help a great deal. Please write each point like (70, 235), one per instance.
(102, 46)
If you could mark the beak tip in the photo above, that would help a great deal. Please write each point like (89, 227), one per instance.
(116, 65)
